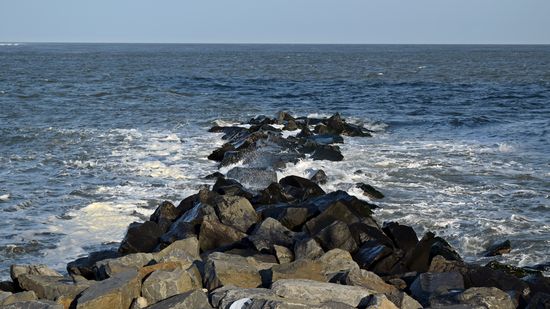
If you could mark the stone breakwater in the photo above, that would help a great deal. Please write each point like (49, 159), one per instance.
(255, 241)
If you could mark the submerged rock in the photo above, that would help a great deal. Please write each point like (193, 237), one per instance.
(370, 191)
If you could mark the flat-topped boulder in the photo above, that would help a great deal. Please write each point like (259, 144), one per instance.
(115, 292)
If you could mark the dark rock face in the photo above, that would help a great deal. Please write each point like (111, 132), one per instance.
(307, 248)
(403, 236)
(270, 233)
(85, 266)
(214, 234)
(427, 285)
(320, 177)
(301, 188)
(141, 237)
(165, 214)
(336, 235)
(499, 248)
(370, 191)
(370, 253)
(291, 217)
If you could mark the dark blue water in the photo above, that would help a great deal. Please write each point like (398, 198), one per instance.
(93, 136)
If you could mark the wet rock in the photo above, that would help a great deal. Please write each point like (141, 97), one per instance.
(291, 125)
(269, 233)
(85, 266)
(316, 205)
(165, 214)
(370, 191)
(338, 211)
(428, 284)
(307, 248)
(34, 304)
(52, 287)
(363, 232)
(327, 152)
(320, 177)
(315, 292)
(115, 292)
(141, 237)
(290, 217)
(441, 247)
(214, 175)
(8, 286)
(15, 298)
(17, 270)
(283, 254)
(214, 235)
(109, 267)
(490, 298)
(369, 280)
(303, 188)
(419, 258)
(336, 235)
(235, 211)
(380, 301)
(273, 194)
(370, 253)
(192, 299)
(539, 301)
(225, 186)
(284, 116)
(299, 269)
(183, 248)
(440, 264)
(219, 154)
(403, 236)
(227, 269)
(253, 177)
(162, 284)
(499, 248)
(512, 270)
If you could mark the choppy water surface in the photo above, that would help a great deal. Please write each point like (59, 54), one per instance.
(93, 137)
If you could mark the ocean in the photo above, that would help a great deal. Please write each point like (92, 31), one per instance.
(95, 136)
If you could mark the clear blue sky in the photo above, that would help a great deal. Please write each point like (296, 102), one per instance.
(276, 21)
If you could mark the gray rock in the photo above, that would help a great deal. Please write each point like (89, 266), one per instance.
(490, 298)
(404, 301)
(192, 299)
(52, 287)
(291, 217)
(165, 214)
(299, 269)
(214, 235)
(180, 249)
(235, 211)
(256, 178)
(109, 267)
(369, 280)
(162, 284)
(34, 304)
(337, 261)
(336, 235)
(18, 297)
(85, 266)
(283, 254)
(315, 292)
(269, 233)
(141, 237)
(380, 301)
(428, 284)
(115, 292)
(307, 248)
(17, 270)
(320, 177)
(227, 269)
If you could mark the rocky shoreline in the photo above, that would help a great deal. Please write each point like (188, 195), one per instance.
(255, 241)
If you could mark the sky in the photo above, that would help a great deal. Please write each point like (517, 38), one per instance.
(277, 21)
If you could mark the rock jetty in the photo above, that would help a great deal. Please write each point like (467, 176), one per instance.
(254, 241)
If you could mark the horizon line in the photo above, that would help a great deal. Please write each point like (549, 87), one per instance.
(263, 43)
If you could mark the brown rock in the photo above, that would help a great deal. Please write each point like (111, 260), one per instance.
(115, 292)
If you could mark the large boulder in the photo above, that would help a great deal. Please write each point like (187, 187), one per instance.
(162, 284)
(115, 292)
(223, 269)
(235, 211)
(289, 216)
(299, 269)
(85, 266)
(337, 261)
(52, 287)
(269, 233)
(34, 304)
(9, 298)
(369, 280)
(346, 213)
(253, 177)
(320, 177)
(195, 299)
(336, 235)
(182, 249)
(403, 236)
(427, 285)
(307, 248)
(214, 235)
(109, 267)
(141, 237)
(165, 214)
(301, 188)
(490, 298)
(327, 152)
(315, 292)
(17, 270)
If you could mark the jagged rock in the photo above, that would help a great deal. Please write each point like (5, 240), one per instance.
(318, 204)
(188, 203)
(370, 191)
(363, 232)
(490, 298)
(214, 234)
(291, 217)
(283, 254)
(141, 237)
(440, 264)
(299, 269)
(52, 287)
(20, 297)
(219, 154)
(192, 299)
(327, 152)
(302, 188)
(404, 301)
(253, 177)
(291, 125)
(273, 194)
(214, 175)
(180, 249)
(235, 211)
(283, 116)
(398, 283)
(232, 187)
(34, 304)
(320, 177)
(419, 258)
(512, 270)
(315, 292)
(165, 214)
(269, 233)
(85, 266)
(307, 248)
(428, 284)
(115, 292)
(380, 301)
(162, 284)
(166, 266)
(476, 276)
(227, 269)
(403, 236)
(17, 270)
(370, 253)
(369, 280)
(336, 235)
(337, 261)
(441, 247)
(346, 213)
(499, 248)
(109, 267)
